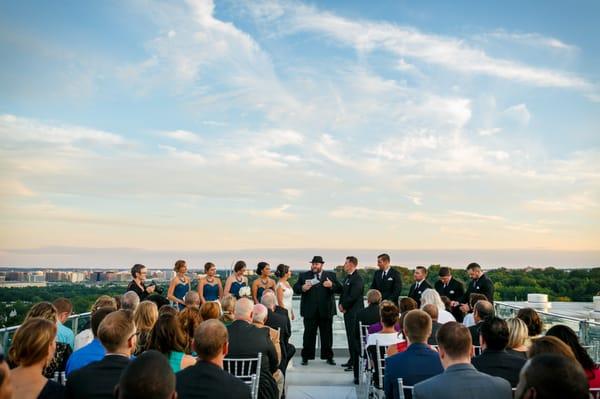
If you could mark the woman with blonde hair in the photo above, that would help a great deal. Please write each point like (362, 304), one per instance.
(210, 310)
(517, 338)
(228, 306)
(431, 296)
(144, 317)
(32, 348)
(180, 284)
(189, 318)
(47, 311)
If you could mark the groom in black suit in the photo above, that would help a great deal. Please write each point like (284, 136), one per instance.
(317, 307)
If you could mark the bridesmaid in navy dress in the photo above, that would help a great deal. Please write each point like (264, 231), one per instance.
(263, 282)
(236, 280)
(210, 288)
(180, 285)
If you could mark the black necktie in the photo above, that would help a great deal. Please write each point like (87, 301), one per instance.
(417, 285)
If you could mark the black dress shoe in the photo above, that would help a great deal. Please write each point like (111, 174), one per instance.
(349, 368)
(356, 381)
(331, 362)
(304, 362)
(347, 364)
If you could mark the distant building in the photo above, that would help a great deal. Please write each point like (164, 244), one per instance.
(21, 284)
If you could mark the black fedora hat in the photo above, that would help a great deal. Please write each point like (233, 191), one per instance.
(317, 259)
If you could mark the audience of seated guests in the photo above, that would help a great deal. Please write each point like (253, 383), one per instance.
(210, 310)
(145, 317)
(207, 379)
(432, 311)
(97, 380)
(6, 389)
(86, 336)
(482, 310)
(552, 376)
(168, 339)
(279, 321)
(189, 319)
(228, 307)
(246, 341)
(469, 319)
(431, 297)
(93, 351)
(191, 300)
(32, 348)
(418, 362)
(130, 301)
(378, 327)
(568, 336)
(259, 317)
(494, 359)
(460, 380)
(517, 337)
(149, 376)
(46, 310)
(550, 345)
(533, 322)
(64, 309)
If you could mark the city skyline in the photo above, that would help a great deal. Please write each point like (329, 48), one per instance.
(137, 129)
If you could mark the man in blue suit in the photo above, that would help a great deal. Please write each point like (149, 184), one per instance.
(418, 362)
(460, 380)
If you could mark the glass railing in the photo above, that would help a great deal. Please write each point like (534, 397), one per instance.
(588, 330)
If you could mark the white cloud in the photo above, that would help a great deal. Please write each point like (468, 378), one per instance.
(571, 203)
(489, 132)
(280, 213)
(362, 213)
(532, 39)
(518, 113)
(183, 136)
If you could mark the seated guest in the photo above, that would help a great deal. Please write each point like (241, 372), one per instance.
(532, 320)
(86, 336)
(402, 345)
(460, 380)
(207, 379)
(482, 310)
(432, 311)
(388, 312)
(97, 380)
(46, 310)
(377, 327)
(168, 339)
(494, 360)
(93, 351)
(145, 317)
(228, 307)
(431, 296)
(550, 345)
(568, 336)
(259, 317)
(369, 315)
(191, 299)
(551, 376)
(517, 337)
(167, 309)
(189, 319)
(130, 301)
(210, 310)
(64, 308)
(469, 320)
(407, 304)
(281, 322)
(147, 377)
(246, 341)
(32, 347)
(418, 362)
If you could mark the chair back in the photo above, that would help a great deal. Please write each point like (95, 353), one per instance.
(595, 393)
(247, 370)
(403, 388)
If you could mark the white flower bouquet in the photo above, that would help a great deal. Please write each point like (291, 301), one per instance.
(245, 292)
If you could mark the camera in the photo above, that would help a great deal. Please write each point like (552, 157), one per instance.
(157, 288)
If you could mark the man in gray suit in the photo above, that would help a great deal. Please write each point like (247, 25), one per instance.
(460, 380)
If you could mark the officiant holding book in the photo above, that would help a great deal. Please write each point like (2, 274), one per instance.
(317, 307)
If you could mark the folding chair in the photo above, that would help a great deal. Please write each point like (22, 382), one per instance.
(402, 388)
(376, 388)
(247, 370)
(595, 393)
(363, 361)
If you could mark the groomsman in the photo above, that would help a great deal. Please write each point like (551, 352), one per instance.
(451, 288)
(388, 281)
(351, 302)
(317, 306)
(420, 284)
(479, 284)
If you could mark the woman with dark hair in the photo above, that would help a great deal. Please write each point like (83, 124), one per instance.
(284, 290)
(568, 336)
(236, 280)
(32, 348)
(139, 273)
(532, 321)
(209, 287)
(168, 338)
(263, 282)
(180, 284)
(550, 345)
(389, 314)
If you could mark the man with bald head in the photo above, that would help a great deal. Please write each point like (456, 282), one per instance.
(207, 379)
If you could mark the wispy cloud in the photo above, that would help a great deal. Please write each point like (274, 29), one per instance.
(531, 39)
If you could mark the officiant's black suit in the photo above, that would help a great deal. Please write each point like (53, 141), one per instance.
(317, 307)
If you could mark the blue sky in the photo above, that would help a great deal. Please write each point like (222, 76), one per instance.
(243, 125)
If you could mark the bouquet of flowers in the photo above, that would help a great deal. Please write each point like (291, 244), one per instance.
(245, 292)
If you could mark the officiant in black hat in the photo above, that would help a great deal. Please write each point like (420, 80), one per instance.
(317, 307)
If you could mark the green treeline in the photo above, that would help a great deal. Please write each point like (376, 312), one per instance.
(511, 285)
